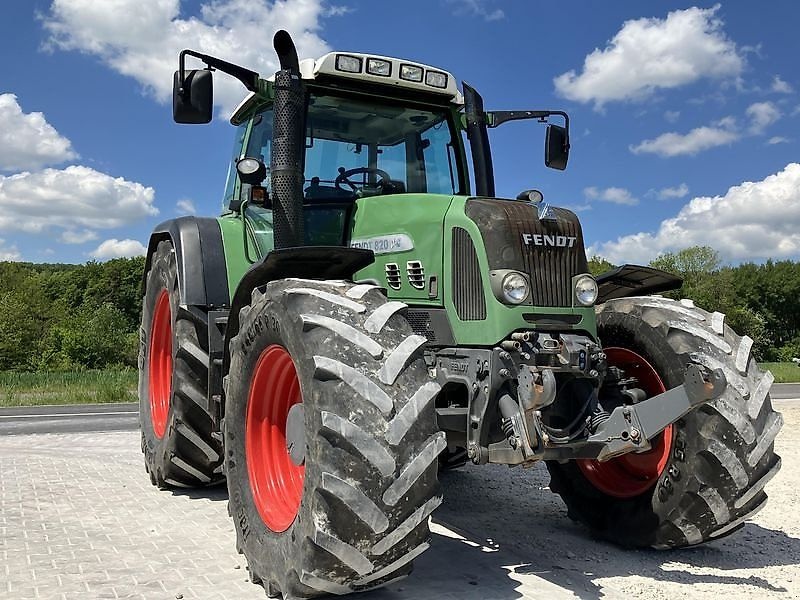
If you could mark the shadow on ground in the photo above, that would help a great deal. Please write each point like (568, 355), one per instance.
(512, 510)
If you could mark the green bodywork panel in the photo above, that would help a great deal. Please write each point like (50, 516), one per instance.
(232, 228)
(382, 223)
(428, 220)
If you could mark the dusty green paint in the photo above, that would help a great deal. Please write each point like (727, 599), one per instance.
(501, 319)
(233, 242)
(420, 217)
(429, 220)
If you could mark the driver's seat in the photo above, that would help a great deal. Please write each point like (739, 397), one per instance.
(316, 192)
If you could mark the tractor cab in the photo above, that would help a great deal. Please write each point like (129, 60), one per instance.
(354, 148)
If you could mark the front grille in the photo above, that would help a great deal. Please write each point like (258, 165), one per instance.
(468, 294)
(551, 268)
(393, 277)
(416, 274)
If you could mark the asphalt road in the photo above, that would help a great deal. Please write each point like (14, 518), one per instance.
(125, 417)
(785, 391)
(69, 419)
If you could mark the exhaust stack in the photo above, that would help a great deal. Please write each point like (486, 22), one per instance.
(288, 145)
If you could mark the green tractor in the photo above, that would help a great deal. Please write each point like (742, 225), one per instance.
(360, 318)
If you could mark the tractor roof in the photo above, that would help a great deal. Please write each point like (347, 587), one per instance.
(375, 69)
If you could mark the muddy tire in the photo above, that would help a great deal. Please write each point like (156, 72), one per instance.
(349, 511)
(178, 448)
(718, 458)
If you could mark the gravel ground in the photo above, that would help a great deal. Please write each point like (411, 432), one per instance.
(80, 520)
(513, 510)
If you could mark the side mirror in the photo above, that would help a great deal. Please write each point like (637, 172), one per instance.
(192, 98)
(556, 147)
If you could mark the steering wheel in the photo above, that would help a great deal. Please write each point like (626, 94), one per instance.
(345, 174)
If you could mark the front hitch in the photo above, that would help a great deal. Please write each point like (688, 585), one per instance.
(630, 428)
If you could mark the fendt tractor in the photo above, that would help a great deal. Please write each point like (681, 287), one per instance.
(362, 316)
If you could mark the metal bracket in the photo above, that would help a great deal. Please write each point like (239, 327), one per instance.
(630, 427)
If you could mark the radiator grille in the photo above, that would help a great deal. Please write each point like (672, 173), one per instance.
(551, 268)
(468, 294)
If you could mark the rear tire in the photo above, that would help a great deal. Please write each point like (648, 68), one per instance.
(178, 448)
(721, 454)
(371, 445)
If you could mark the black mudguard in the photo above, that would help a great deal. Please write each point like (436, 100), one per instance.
(305, 262)
(635, 280)
(202, 272)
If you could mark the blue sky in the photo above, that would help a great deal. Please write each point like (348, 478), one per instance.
(685, 117)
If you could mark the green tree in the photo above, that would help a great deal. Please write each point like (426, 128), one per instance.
(599, 265)
(97, 338)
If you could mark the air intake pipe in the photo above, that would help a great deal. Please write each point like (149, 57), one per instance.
(288, 145)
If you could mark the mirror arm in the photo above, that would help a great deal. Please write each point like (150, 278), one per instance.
(246, 76)
(498, 117)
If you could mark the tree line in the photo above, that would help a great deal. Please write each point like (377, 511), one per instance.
(56, 317)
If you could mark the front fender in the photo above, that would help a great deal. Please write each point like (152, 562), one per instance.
(200, 257)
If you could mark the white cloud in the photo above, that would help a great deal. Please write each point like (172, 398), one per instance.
(185, 206)
(8, 253)
(780, 86)
(27, 140)
(612, 194)
(697, 140)
(762, 114)
(649, 54)
(71, 198)
(753, 220)
(673, 192)
(672, 115)
(142, 39)
(115, 248)
(477, 8)
(777, 139)
(334, 10)
(77, 237)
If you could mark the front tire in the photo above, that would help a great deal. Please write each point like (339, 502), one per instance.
(179, 450)
(349, 512)
(717, 459)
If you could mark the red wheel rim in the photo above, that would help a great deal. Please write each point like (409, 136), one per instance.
(275, 481)
(160, 364)
(632, 474)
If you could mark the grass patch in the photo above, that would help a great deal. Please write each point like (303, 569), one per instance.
(784, 372)
(83, 387)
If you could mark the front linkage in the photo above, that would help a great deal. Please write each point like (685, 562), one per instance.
(553, 397)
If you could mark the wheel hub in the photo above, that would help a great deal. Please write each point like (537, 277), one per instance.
(296, 434)
(632, 474)
(160, 364)
(274, 438)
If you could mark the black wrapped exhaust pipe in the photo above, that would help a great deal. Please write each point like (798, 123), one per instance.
(288, 145)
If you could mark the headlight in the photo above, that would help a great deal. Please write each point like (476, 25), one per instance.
(515, 288)
(376, 66)
(348, 64)
(436, 79)
(411, 73)
(586, 290)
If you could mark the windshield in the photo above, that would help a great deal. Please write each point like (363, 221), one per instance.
(357, 148)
